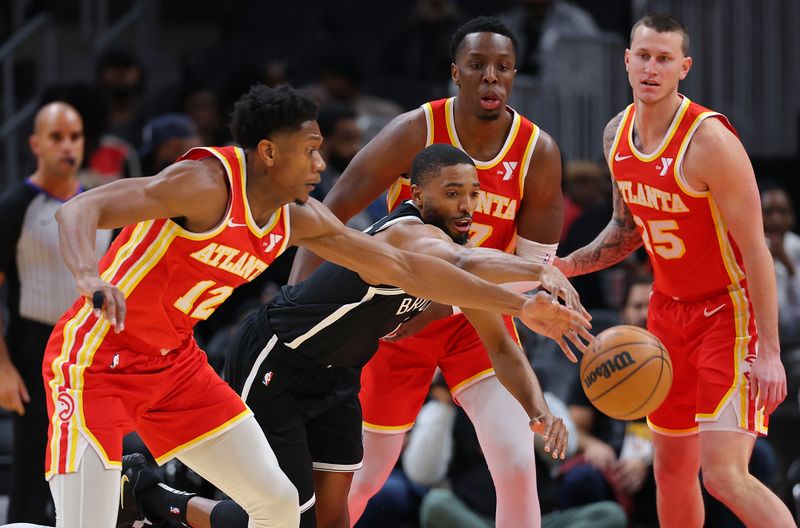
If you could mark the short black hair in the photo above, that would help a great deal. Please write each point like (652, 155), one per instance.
(481, 24)
(432, 159)
(664, 23)
(264, 111)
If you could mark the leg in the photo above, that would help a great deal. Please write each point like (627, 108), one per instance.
(724, 456)
(507, 443)
(331, 489)
(87, 498)
(30, 498)
(241, 463)
(442, 509)
(676, 465)
(381, 452)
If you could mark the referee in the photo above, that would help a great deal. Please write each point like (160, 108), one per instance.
(40, 289)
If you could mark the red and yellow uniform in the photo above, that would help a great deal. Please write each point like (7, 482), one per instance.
(152, 377)
(396, 381)
(700, 308)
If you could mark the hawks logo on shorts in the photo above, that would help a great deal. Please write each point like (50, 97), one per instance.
(502, 178)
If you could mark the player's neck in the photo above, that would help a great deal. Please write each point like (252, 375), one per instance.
(481, 139)
(62, 187)
(652, 120)
(261, 198)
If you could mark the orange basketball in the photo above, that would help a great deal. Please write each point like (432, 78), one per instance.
(626, 373)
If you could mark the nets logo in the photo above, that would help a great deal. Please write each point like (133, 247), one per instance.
(605, 369)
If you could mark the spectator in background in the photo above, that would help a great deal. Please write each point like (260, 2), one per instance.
(342, 139)
(121, 78)
(443, 444)
(413, 61)
(164, 139)
(40, 289)
(340, 80)
(784, 245)
(202, 104)
(585, 189)
(538, 24)
(615, 458)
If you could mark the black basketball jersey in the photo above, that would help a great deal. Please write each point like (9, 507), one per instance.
(334, 318)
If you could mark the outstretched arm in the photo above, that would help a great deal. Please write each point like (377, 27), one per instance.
(515, 373)
(377, 262)
(376, 166)
(616, 241)
(489, 264)
(191, 189)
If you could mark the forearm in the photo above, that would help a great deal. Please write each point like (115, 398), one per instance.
(763, 295)
(439, 281)
(611, 246)
(77, 228)
(498, 267)
(5, 357)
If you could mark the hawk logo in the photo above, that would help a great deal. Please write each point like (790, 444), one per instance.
(66, 407)
(273, 241)
(664, 167)
(509, 166)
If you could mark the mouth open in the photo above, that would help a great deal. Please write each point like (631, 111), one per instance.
(463, 225)
(490, 101)
(651, 84)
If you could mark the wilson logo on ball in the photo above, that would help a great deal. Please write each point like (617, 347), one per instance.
(604, 370)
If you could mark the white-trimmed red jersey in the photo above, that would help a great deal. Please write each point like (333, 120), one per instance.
(172, 278)
(502, 179)
(692, 252)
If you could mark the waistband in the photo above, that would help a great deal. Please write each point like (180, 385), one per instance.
(141, 347)
(706, 295)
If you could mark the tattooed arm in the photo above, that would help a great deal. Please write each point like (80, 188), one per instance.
(617, 240)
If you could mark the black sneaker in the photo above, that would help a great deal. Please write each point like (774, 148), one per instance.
(137, 476)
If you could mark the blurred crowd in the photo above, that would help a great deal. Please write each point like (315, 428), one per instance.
(443, 480)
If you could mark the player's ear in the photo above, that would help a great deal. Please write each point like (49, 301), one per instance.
(33, 141)
(267, 151)
(627, 58)
(686, 65)
(416, 194)
(454, 74)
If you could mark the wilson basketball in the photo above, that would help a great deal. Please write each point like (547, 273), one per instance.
(626, 373)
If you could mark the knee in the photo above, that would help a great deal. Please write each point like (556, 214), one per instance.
(364, 488)
(277, 503)
(722, 480)
(674, 472)
(516, 466)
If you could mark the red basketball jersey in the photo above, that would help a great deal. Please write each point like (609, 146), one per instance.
(692, 252)
(502, 178)
(173, 278)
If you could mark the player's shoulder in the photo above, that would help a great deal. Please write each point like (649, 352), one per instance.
(408, 124)
(610, 131)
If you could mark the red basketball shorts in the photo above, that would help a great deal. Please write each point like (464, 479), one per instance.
(99, 389)
(712, 344)
(396, 380)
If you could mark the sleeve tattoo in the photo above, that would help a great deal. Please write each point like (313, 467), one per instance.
(620, 237)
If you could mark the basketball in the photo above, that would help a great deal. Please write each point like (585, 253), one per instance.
(626, 373)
